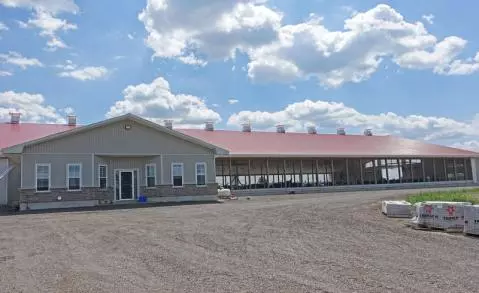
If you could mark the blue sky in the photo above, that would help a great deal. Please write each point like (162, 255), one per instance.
(406, 68)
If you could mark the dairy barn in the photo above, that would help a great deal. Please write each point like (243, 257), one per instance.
(128, 158)
(281, 162)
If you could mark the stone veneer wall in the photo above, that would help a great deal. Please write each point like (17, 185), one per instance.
(95, 193)
(87, 193)
(186, 190)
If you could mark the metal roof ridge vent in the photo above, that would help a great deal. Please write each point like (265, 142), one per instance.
(209, 126)
(312, 129)
(168, 123)
(72, 120)
(368, 132)
(246, 127)
(280, 128)
(341, 131)
(15, 117)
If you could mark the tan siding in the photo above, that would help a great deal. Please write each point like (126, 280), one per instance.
(58, 168)
(114, 139)
(189, 165)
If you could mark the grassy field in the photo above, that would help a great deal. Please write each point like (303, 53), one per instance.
(466, 195)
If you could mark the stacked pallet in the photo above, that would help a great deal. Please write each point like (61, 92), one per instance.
(396, 208)
(440, 215)
(471, 220)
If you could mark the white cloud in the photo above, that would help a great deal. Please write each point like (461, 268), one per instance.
(309, 49)
(32, 107)
(85, 73)
(52, 6)
(429, 18)
(233, 101)
(118, 57)
(156, 102)
(331, 115)
(216, 28)
(130, 36)
(3, 27)
(17, 59)
(472, 145)
(49, 25)
(192, 60)
(69, 65)
(5, 73)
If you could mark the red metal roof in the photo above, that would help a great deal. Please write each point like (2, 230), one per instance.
(13, 134)
(257, 143)
(321, 145)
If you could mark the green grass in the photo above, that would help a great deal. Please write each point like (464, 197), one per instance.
(467, 195)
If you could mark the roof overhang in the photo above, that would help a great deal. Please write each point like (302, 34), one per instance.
(18, 149)
(351, 156)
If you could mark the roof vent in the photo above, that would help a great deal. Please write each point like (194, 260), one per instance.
(246, 127)
(341, 131)
(312, 129)
(72, 120)
(368, 132)
(169, 124)
(15, 118)
(280, 128)
(209, 126)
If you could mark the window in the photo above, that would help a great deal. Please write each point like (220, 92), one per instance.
(102, 176)
(150, 171)
(177, 174)
(42, 173)
(74, 176)
(201, 174)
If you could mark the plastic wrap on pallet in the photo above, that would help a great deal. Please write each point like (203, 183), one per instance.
(396, 208)
(471, 220)
(440, 215)
(224, 193)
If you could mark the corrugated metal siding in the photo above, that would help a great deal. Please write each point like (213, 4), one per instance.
(58, 168)
(115, 139)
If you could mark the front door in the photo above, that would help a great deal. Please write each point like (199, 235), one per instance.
(125, 185)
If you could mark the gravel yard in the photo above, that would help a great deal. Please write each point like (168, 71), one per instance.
(296, 243)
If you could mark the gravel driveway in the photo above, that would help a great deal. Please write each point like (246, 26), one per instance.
(297, 243)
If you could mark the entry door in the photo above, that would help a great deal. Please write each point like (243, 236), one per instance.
(125, 184)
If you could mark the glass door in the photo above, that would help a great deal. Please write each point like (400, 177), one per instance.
(126, 184)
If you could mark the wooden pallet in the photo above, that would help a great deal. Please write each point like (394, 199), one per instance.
(435, 229)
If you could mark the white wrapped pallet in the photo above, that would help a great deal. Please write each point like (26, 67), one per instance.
(471, 220)
(396, 208)
(440, 215)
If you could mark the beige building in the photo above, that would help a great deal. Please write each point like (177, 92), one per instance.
(118, 160)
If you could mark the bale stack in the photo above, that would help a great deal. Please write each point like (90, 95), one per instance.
(440, 215)
(396, 208)
(471, 220)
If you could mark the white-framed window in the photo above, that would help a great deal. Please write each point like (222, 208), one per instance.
(42, 177)
(103, 176)
(201, 174)
(73, 177)
(177, 174)
(150, 171)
